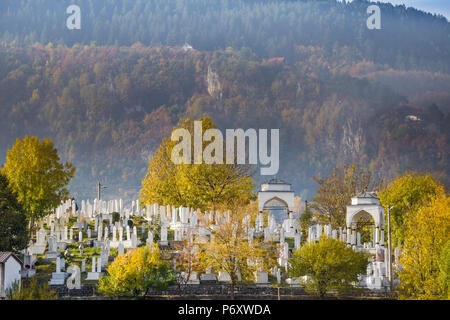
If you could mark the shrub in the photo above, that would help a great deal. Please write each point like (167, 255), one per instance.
(329, 263)
(136, 272)
(31, 290)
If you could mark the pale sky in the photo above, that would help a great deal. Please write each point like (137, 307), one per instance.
(432, 6)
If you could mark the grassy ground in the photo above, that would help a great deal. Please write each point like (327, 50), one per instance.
(44, 267)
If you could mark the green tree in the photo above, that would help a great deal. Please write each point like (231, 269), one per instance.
(13, 221)
(37, 177)
(406, 194)
(115, 217)
(136, 272)
(329, 263)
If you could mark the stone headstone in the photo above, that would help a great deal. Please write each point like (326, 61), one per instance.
(298, 239)
(120, 249)
(150, 237)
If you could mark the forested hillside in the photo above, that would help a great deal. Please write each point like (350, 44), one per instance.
(408, 39)
(108, 108)
(339, 92)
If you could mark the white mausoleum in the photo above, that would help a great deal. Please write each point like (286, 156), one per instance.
(276, 196)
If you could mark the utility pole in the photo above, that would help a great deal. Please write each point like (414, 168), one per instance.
(389, 248)
(99, 188)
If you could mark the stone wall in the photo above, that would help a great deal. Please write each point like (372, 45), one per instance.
(219, 291)
(85, 291)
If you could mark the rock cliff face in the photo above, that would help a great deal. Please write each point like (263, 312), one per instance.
(352, 142)
(213, 84)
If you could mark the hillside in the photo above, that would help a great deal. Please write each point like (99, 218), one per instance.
(108, 94)
(107, 109)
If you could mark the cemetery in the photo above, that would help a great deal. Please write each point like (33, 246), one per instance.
(73, 247)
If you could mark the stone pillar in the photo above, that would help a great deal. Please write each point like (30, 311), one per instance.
(58, 265)
(353, 236)
(349, 235)
(377, 235)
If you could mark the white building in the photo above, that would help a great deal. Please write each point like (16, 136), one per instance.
(10, 271)
(276, 197)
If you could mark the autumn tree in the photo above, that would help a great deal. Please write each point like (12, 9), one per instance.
(203, 186)
(329, 263)
(190, 258)
(31, 289)
(136, 272)
(305, 220)
(406, 194)
(444, 274)
(35, 174)
(335, 192)
(231, 250)
(426, 235)
(13, 220)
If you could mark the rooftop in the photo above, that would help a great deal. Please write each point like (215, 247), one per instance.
(4, 256)
(276, 181)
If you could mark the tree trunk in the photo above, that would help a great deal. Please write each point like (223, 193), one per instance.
(31, 225)
(232, 289)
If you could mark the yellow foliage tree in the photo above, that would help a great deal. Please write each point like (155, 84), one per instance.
(136, 272)
(203, 186)
(37, 177)
(230, 249)
(329, 263)
(406, 194)
(427, 233)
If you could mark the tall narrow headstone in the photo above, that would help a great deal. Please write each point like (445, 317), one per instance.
(93, 264)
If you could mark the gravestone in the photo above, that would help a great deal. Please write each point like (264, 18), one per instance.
(52, 252)
(93, 275)
(120, 248)
(224, 276)
(58, 277)
(150, 238)
(163, 235)
(261, 278)
(298, 239)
